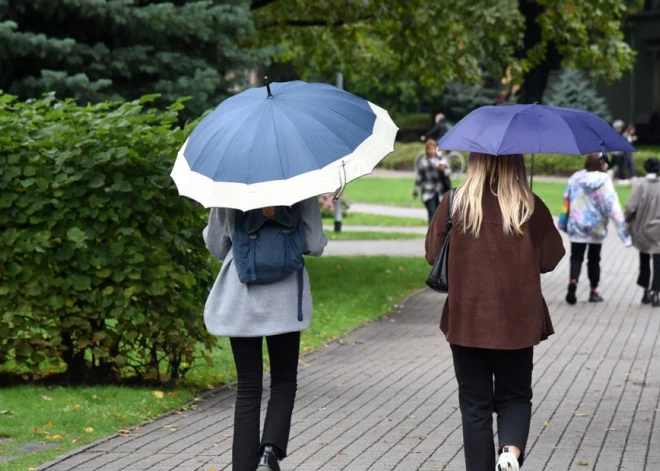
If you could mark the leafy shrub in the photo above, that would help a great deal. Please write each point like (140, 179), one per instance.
(102, 264)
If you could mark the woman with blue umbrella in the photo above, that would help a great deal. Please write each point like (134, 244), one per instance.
(259, 161)
(503, 238)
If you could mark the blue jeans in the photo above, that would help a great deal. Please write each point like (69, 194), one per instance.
(432, 205)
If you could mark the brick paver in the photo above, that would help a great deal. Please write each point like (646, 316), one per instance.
(384, 398)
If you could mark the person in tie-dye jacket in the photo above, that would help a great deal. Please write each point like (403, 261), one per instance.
(593, 201)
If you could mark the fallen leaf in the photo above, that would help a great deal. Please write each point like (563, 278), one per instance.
(77, 406)
(46, 398)
(48, 425)
(76, 440)
(410, 416)
(158, 394)
(583, 463)
(89, 429)
(95, 397)
(546, 423)
(56, 436)
(323, 408)
(211, 469)
(580, 414)
(37, 430)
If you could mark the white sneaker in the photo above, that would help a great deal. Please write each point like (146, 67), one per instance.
(507, 462)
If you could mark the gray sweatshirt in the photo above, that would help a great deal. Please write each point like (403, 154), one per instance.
(235, 309)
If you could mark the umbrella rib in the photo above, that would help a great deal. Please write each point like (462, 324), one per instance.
(348, 146)
(217, 142)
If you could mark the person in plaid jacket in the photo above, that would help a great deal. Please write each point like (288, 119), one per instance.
(432, 178)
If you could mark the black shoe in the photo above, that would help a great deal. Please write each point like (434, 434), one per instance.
(570, 296)
(594, 297)
(269, 460)
(646, 299)
(655, 300)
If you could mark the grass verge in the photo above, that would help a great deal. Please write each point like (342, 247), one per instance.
(371, 235)
(347, 291)
(396, 192)
(363, 219)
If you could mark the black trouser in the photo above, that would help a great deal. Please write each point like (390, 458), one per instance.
(593, 262)
(644, 279)
(510, 398)
(283, 351)
(626, 163)
(432, 205)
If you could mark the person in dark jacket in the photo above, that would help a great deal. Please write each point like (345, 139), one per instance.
(439, 129)
(503, 238)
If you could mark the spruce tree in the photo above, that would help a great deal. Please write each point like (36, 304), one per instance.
(575, 90)
(95, 50)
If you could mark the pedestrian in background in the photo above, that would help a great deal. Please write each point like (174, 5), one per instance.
(438, 130)
(432, 178)
(504, 237)
(592, 202)
(643, 217)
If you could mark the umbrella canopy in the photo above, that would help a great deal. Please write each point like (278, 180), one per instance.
(533, 129)
(281, 144)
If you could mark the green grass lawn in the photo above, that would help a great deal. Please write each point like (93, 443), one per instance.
(371, 235)
(347, 291)
(389, 191)
(396, 192)
(363, 219)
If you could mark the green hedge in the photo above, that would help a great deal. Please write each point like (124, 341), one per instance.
(102, 265)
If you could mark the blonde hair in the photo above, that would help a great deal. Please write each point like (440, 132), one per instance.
(429, 143)
(506, 178)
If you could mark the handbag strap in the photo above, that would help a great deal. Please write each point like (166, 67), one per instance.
(450, 224)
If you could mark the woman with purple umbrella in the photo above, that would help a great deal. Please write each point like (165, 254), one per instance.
(504, 238)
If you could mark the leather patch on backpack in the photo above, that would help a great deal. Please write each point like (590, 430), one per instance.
(268, 212)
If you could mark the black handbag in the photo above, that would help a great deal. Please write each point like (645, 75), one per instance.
(438, 279)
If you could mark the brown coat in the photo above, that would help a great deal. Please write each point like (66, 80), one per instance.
(495, 298)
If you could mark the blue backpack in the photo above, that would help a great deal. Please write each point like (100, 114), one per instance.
(268, 245)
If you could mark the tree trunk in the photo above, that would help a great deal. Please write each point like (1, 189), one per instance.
(76, 368)
(536, 80)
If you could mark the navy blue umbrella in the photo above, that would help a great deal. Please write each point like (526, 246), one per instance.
(280, 144)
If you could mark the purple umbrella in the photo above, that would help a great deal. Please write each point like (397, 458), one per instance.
(533, 129)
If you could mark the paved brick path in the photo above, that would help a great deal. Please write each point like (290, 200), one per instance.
(384, 398)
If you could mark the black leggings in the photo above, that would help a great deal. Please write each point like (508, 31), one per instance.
(510, 396)
(644, 279)
(593, 262)
(283, 351)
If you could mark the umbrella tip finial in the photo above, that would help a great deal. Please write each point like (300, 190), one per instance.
(270, 95)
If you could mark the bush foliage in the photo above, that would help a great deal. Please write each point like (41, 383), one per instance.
(101, 264)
